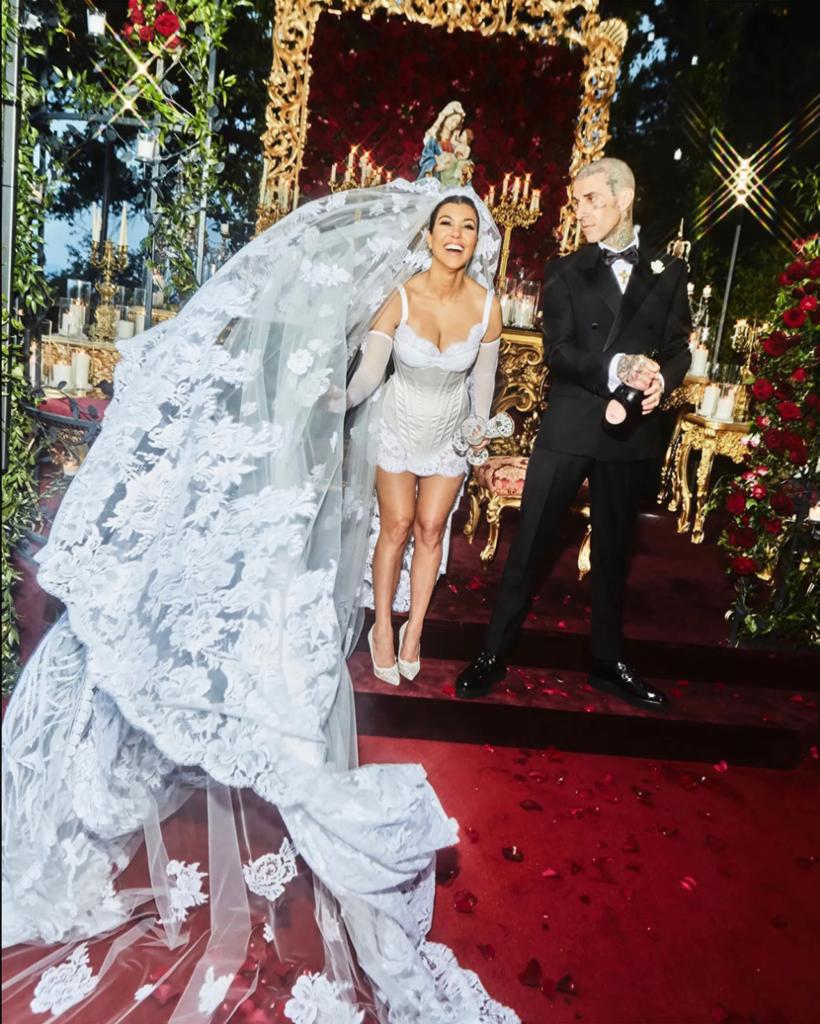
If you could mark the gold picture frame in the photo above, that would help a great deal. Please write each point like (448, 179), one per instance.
(576, 22)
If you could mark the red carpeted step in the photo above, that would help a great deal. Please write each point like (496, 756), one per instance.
(539, 707)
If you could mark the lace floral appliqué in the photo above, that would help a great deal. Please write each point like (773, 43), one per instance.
(187, 891)
(316, 1000)
(213, 990)
(65, 985)
(269, 874)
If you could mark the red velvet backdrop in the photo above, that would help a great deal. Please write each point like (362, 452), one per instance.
(380, 84)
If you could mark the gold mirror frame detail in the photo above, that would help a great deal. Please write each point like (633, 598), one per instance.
(576, 22)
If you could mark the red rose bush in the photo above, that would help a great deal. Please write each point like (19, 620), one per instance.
(767, 502)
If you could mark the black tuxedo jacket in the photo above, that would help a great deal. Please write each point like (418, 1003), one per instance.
(587, 320)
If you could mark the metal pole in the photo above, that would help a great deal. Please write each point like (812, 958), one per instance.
(719, 335)
(203, 199)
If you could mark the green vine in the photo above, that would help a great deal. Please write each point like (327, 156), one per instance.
(31, 296)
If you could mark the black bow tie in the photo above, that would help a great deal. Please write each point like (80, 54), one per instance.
(629, 254)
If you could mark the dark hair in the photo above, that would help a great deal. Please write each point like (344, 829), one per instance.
(461, 201)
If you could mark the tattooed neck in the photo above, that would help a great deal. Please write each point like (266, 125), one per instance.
(621, 235)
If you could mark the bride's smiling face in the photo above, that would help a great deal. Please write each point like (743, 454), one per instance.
(454, 235)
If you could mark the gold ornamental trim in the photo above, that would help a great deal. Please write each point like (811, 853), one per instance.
(575, 22)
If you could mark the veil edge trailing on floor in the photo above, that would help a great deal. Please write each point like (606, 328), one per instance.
(210, 556)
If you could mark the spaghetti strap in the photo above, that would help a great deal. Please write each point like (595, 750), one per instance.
(404, 306)
(488, 302)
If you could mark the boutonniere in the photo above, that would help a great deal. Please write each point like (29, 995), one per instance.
(657, 266)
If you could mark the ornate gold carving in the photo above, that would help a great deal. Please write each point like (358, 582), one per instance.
(104, 357)
(576, 22)
(710, 438)
(523, 377)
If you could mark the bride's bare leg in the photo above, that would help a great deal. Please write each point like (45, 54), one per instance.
(433, 506)
(396, 493)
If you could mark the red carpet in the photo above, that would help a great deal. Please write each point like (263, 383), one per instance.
(681, 894)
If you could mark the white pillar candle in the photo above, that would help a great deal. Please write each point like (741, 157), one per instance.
(491, 196)
(724, 410)
(125, 329)
(709, 400)
(32, 369)
(61, 374)
(95, 223)
(516, 189)
(81, 367)
(333, 174)
(700, 358)
(139, 323)
(505, 186)
(535, 204)
(526, 192)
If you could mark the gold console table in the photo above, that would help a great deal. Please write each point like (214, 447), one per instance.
(709, 437)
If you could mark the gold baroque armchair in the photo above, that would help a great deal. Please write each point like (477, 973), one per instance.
(498, 484)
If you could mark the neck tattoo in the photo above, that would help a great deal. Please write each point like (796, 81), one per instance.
(621, 235)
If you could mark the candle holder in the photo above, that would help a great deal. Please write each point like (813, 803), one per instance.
(358, 174)
(515, 209)
(110, 260)
(679, 248)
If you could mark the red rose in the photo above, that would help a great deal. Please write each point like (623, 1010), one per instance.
(784, 279)
(160, 7)
(775, 344)
(742, 537)
(762, 390)
(794, 318)
(128, 30)
(813, 400)
(773, 439)
(814, 269)
(137, 16)
(808, 303)
(799, 456)
(758, 492)
(735, 503)
(789, 411)
(783, 504)
(743, 565)
(762, 421)
(798, 292)
(799, 375)
(167, 23)
(134, 5)
(772, 526)
(790, 439)
(146, 33)
(797, 270)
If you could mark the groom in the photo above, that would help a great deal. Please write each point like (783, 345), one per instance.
(606, 307)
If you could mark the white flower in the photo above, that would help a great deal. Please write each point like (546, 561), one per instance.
(269, 874)
(316, 1000)
(300, 362)
(267, 933)
(65, 985)
(187, 892)
(213, 990)
(657, 266)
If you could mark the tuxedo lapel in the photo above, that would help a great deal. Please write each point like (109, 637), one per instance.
(600, 279)
(640, 283)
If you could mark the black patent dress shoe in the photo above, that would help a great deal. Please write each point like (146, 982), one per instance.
(480, 676)
(618, 679)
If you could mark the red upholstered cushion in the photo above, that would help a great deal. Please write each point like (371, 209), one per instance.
(503, 475)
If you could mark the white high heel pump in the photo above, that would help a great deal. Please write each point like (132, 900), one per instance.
(387, 675)
(409, 669)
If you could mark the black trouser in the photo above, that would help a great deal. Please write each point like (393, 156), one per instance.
(553, 481)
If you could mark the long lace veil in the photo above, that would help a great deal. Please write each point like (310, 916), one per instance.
(181, 747)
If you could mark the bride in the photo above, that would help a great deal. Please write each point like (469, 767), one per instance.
(184, 818)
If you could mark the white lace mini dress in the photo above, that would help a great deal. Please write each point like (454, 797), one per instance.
(426, 400)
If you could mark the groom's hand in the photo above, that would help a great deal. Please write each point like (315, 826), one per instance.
(637, 371)
(652, 395)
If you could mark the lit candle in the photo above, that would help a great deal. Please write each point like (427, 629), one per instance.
(80, 367)
(365, 168)
(711, 394)
(333, 174)
(389, 176)
(707, 291)
(700, 357)
(124, 228)
(535, 204)
(516, 189)
(95, 224)
(505, 186)
(491, 196)
(526, 186)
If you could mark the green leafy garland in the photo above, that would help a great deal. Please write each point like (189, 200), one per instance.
(29, 288)
(773, 555)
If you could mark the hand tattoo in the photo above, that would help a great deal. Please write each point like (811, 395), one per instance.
(627, 365)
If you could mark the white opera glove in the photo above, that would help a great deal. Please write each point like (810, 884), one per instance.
(484, 372)
(376, 350)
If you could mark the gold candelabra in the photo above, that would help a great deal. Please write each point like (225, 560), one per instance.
(111, 260)
(516, 208)
(679, 247)
(361, 173)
